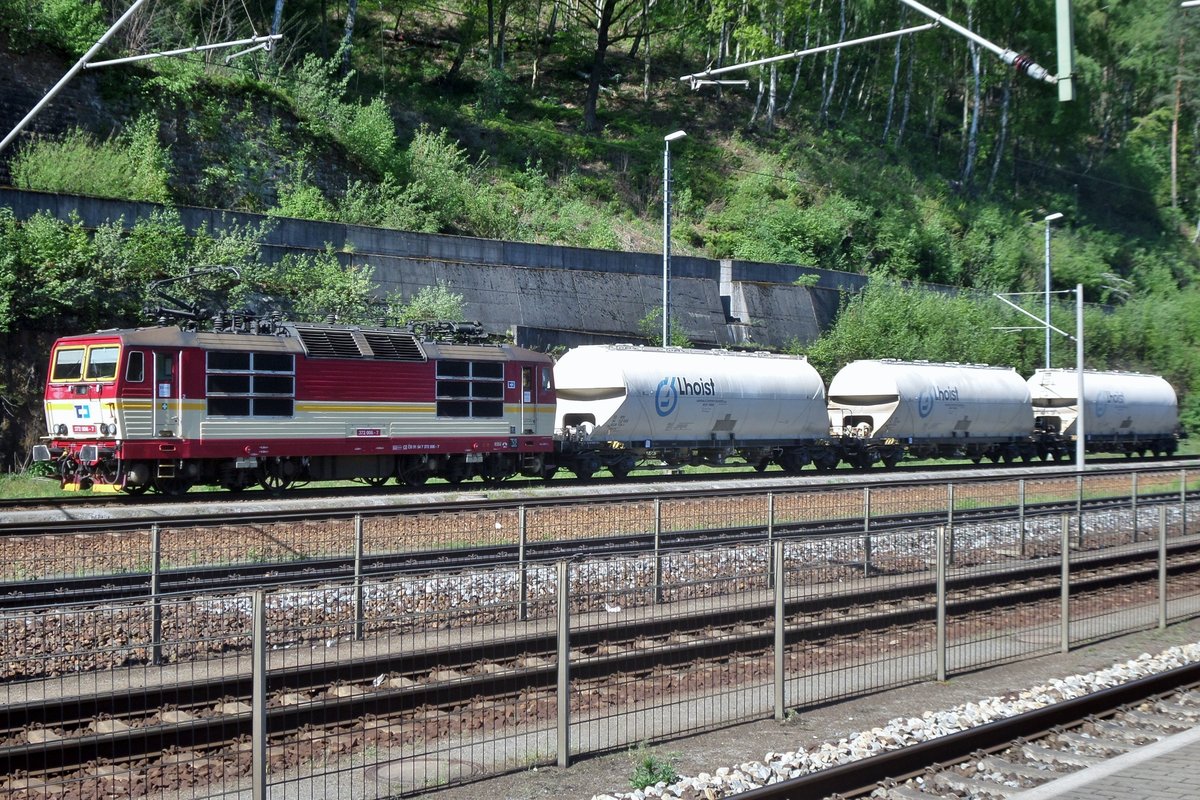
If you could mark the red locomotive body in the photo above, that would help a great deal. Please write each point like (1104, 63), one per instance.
(272, 403)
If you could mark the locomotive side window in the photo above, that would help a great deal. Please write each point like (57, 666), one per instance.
(470, 389)
(68, 364)
(546, 378)
(135, 367)
(102, 363)
(241, 384)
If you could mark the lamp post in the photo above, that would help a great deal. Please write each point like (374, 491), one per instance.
(1080, 434)
(666, 298)
(1049, 218)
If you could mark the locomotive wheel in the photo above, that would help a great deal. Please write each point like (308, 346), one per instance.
(457, 470)
(548, 473)
(172, 487)
(271, 476)
(412, 476)
(375, 481)
(135, 490)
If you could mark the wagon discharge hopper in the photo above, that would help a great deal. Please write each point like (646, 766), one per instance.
(882, 410)
(620, 404)
(1126, 412)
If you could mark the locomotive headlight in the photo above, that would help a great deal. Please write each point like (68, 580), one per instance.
(61, 430)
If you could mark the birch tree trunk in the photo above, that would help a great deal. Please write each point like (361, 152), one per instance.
(973, 136)
(837, 57)
(1003, 135)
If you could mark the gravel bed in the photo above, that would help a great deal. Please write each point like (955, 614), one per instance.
(903, 731)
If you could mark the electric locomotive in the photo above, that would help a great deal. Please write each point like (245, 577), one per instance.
(271, 402)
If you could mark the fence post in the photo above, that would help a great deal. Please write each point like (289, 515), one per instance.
(941, 603)
(564, 664)
(770, 539)
(522, 567)
(1133, 502)
(1162, 567)
(780, 621)
(1021, 512)
(359, 609)
(1079, 509)
(156, 614)
(950, 522)
(1064, 600)
(866, 530)
(1183, 501)
(258, 700)
(658, 550)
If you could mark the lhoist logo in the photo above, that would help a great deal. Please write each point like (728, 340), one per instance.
(935, 393)
(1106, 399)
(666, 397)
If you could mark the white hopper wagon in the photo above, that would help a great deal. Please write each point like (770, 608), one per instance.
(883, 409)
(621, 404)
(1126, 412)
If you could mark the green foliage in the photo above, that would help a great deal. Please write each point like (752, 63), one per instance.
(650, 327)
(57, 276)
(890, 321)
(69, 25)
(132, 165)
(370, 135)
(650, 769)
(431, 303)
(366, 131)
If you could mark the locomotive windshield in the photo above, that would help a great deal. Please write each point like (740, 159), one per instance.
(96, 363)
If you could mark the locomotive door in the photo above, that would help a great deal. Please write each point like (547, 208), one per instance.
(528, 401)
(168, 405)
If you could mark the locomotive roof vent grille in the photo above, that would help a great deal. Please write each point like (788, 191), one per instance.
(329, 343)
(394, 346)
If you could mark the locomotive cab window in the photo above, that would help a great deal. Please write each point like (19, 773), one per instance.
(94, 363)
(472, 389)
(102, 363)
(68, 364)
(245, 384)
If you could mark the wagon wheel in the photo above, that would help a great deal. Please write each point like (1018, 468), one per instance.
(621, 468)
(135, 490)
(271, 476)
(548, 473)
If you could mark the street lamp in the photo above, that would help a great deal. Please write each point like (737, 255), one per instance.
(1050, 218)
(666, 300)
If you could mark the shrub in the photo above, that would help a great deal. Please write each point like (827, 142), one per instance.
(432, 303)
(131, 166)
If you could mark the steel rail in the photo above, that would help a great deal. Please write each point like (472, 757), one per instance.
(1044, 470)
(861, 777)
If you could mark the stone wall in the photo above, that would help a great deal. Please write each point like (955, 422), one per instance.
(544, 295)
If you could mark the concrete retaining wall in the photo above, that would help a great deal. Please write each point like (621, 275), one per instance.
(544, 295)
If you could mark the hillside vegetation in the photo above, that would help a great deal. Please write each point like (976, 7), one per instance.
(918, 158)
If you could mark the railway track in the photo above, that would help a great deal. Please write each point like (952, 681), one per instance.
(49, 737)
(29, 593)
(1003, 758)
(734, 475)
